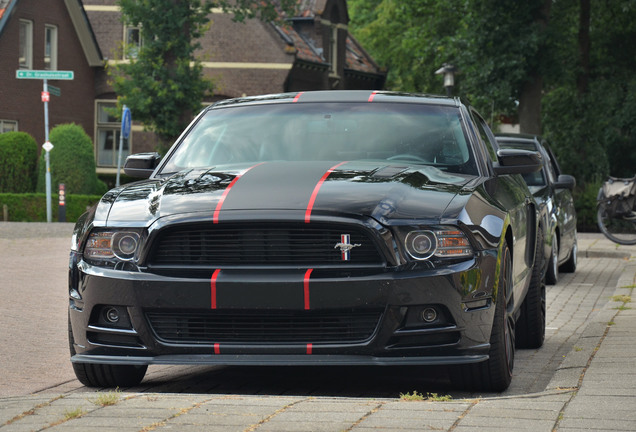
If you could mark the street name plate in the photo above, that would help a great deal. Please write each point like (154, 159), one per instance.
(44, 74)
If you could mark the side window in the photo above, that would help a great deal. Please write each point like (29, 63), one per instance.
(50, 47)
(26, 44)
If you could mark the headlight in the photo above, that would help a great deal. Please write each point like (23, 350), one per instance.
(103, 247)
(442, 243)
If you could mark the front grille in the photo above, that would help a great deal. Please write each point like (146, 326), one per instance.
(264, 327)
(260, 244)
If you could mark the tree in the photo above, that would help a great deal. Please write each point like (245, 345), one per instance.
(163, 84)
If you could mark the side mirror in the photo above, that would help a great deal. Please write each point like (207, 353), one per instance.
(516, 161)
(141, 165)
(565, 181)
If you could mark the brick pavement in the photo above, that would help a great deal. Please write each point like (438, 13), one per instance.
(592, 386)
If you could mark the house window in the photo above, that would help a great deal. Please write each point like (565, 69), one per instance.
(8, 126)
(132, 39)
(26, 44)
(108, 131)
(50, 47)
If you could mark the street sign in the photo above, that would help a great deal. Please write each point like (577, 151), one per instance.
(47, 146)
(55, 91)
(44, 74)
(46, 96)
(125, 122)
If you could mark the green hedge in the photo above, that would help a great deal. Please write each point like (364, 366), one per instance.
(18, 162)
(32, 207)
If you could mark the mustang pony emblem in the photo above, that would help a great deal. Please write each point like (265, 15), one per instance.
(345, 246)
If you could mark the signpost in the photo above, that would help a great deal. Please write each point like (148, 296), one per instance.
(45, 75)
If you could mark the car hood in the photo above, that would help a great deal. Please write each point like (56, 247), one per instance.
(296, 189)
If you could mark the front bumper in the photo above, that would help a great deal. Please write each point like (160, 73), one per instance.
(283, 317)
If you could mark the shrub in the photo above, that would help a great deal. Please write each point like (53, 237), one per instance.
(18, 162)
(32, 207)
(72, 162)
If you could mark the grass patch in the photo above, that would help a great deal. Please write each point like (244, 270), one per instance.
(73, 414)
(622, 298)
(108, 399)
(429, 397)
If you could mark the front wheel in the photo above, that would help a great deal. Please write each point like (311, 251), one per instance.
(105, 375)
(617, 229)
(494, 374)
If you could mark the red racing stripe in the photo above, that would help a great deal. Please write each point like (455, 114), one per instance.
(215, 275)
(309, 348)
(310, 206)
(217, 211)
(297, 97)
(372, 96)
(306, 287)
(217, 348)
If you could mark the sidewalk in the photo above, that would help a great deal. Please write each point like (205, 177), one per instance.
(594, 388)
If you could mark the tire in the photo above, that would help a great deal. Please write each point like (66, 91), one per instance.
(618, 230)
(105, 375)
(570, 265)
(494, 374)
(530, 327)
(552, 274)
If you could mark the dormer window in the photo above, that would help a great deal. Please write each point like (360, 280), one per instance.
(132, 39)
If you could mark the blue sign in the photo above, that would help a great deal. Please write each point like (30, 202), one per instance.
(125, 122)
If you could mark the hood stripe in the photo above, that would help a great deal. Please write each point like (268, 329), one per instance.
(297, 97)
(372, 96)
(217, 210)
(312, 200)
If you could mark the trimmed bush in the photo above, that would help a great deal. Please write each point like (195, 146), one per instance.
(18, 162)
(32, 207)
(72, 162)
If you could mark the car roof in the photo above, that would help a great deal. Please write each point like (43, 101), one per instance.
(341, 96)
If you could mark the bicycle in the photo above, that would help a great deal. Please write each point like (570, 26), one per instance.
(615, 210)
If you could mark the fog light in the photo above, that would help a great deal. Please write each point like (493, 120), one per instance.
(429, 315)
(111, 315)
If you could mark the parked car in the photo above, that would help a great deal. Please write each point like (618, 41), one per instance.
(553, 191)
(314, 228)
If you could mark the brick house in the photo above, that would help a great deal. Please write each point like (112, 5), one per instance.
(314, 52)
(46, 38)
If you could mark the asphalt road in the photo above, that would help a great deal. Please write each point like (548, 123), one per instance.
(34, 349)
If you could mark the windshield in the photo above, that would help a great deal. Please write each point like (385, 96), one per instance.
(406, 133)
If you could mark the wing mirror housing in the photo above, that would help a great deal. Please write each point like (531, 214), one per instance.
(565, 181)
(141, 165)
(516, 161)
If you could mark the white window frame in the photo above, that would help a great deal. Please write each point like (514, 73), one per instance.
(25, 50)
(131, 49)
(50, 30)
(107, 134)
(8, 126)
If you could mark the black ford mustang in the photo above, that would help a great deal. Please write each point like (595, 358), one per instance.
(315, 228)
